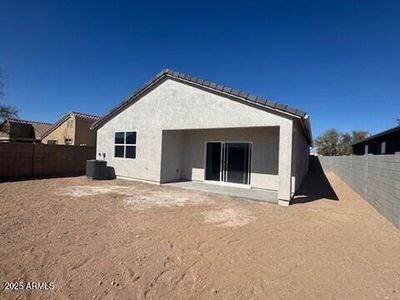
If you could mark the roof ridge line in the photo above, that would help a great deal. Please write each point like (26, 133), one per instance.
(83, 114)
(28, 121)
(250, 98)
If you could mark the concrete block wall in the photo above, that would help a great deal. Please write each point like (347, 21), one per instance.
(375, 177)
(16, 160)
(60, 160)
(26, 160)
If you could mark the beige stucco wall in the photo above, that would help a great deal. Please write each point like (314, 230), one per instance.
(75, 128)
(62, 132)
(83, 134)
(175, 105)
(11, 131)
(172, 156)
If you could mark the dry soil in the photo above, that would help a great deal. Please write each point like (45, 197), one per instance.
(130, 240)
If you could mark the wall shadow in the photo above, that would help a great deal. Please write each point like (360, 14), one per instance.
(315, 185)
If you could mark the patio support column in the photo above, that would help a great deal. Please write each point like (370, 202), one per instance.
(285, 163)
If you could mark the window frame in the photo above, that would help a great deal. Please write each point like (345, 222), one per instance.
(125, 145)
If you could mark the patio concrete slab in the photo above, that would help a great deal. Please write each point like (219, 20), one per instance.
(253, 194)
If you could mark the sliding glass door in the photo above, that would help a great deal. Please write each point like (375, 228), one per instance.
(213, 161)
(238, 162)
(228, 162)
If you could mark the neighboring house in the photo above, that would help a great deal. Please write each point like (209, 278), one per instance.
(72, 129)
(386, 142)
(180, 128)
(16, 130)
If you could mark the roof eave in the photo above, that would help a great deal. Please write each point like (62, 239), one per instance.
(246, 97)
(204, 84)
(377, 135)
(306, 123)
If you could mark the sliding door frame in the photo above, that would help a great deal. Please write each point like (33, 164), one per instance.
(223, 170)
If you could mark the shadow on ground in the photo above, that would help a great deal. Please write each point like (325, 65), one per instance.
(315, 185)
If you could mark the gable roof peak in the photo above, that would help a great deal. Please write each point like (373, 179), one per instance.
(66, 117)
(83, 115)
(211, 86)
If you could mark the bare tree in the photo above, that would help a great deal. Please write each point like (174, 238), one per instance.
(6, 111)
(357, 136)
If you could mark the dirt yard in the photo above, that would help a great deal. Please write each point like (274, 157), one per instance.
(129, 240)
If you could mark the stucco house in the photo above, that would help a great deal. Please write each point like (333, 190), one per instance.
(17, 130)
(72, 129)
(181, 128)
(385, 142)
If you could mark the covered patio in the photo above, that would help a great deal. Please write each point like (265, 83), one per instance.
(240, 162)
(253, 194)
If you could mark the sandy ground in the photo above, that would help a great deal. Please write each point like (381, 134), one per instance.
(128, 240)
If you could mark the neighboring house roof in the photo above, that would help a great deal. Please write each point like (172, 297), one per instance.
(38, 127)
(211, 86)
(66, 117)
(380, 134)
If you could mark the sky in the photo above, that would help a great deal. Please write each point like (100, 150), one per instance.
(337, 60)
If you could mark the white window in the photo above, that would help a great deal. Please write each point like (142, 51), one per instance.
(125, 144)
(383, 147)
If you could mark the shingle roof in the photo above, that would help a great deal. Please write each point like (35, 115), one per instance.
(209, 85)
(65, 117)
(38, 127)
